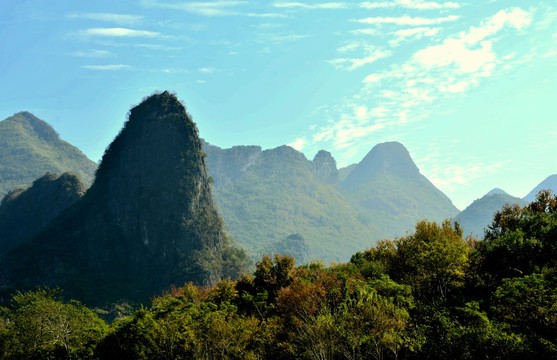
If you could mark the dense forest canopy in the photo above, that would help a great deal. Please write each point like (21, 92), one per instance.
(433, 294)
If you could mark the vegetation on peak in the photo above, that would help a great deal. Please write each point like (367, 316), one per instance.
(29, 148)
(390, 158)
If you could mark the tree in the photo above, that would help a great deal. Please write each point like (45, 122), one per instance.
(433, 260)
(40, 325)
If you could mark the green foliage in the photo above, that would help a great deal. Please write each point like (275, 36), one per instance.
(38, 324)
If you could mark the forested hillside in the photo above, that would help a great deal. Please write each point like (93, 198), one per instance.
(432, 294)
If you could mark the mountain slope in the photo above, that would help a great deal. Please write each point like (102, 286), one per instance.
(29, 148)
(282, 193)
(479, 214)
(550, 183)
(23, 213)
(147, 222)
(390, 193)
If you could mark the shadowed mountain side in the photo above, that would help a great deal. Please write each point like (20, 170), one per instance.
(147, 222)
(24, 212)
(29, 148)
(282, 194)
(479, 214)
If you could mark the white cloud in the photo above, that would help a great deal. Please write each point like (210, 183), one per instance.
(411, 4)
(455, 51)
(327, 5)
(119, 32)
(407, 20)
(298, 144)
(408, 92)
(92, 53)
(108, 17)
(108, 67)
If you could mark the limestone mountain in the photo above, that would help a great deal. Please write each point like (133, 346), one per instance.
(549, 183)
(29, 148)
(389, 191)
(24, 212)
(148, 220)
(478, 215)
(277, 193)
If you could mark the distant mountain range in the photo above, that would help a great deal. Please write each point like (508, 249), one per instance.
(479, 215)
(276, 200)
(266, 196)
(29, 148)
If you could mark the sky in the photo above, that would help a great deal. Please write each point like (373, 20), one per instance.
(469, 87)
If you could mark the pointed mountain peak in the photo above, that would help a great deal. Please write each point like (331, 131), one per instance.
(326, 167)
(550, 183)
(389, 158)
(497, 191)
(34, 126)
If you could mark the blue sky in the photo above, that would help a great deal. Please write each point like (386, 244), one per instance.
(470, 88)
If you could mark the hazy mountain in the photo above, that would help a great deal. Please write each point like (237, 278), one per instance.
(390, 193)
(550, 183)
(277, 193)
(29, 148)
(148, 220)
(24, 212)
(479, 214)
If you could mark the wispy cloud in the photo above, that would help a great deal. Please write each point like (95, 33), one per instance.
(407, 20)
(108, 67)
(92, 53)
(205, 8)
(108, 17)
(119, 32)
(207, 70)
(411, 4)
(370, 55)
(405, 35)
(406, 92)
(326, 5)
(210, 8)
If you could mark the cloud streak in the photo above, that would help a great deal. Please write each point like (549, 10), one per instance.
(327, 5)
(411, 4)
(108, 17)
(108, 67)
(119, 32)
(407, 20)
